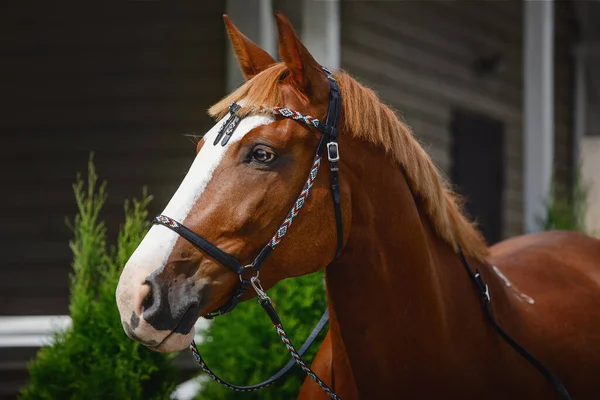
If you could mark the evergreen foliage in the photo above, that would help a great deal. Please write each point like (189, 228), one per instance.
(566, 211)
(94, 359)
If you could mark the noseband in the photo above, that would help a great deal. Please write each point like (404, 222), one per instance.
(329, 131)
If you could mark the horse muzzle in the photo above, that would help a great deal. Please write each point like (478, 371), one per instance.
(159, 313)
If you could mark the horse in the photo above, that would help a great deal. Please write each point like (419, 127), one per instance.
(405, 319)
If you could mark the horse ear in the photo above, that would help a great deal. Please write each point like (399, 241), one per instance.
(305, 72)
(251, 57)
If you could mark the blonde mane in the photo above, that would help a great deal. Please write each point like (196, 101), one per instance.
(368, 119)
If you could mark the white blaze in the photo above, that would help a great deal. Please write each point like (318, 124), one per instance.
(204, 165)
(155, 248)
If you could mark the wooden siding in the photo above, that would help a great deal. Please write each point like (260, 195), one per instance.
(125, 79)
(566, 36)
(129, 79)
(419, 57)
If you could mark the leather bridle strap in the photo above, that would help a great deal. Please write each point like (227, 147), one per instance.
(333, 155)
(281, 373)
(267, 305)
(201, 243)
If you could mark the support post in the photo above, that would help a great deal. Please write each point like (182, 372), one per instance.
(579, 105)
(321, 31)
(538, 113)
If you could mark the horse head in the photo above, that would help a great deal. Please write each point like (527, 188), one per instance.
(247, 174)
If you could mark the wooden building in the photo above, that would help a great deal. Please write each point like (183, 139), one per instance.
(454, 70)
(126, 80)
(587, 100)
(129, 79)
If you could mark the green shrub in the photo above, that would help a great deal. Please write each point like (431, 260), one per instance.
(94, 359)
(566, 211)
(243, 347)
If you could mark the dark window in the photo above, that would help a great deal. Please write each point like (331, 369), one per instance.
(478, 169)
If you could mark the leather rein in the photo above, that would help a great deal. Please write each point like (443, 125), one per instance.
(328, 140)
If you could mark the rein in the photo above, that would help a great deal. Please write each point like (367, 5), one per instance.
(484, 293)
(328, 140)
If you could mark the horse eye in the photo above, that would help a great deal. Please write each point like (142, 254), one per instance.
(262, 155)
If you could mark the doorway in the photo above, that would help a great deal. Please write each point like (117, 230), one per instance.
(478, 169)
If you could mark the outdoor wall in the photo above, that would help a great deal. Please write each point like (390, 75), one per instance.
(130, 79)
(590, 174)
(593, 117)
(419, 57)
(126, 79)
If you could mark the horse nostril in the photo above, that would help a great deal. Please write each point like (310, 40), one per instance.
(148, 299)
(165, 304)
(152, 303)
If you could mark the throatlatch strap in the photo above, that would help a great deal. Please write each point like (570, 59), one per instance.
(333, 155)
(484, 293)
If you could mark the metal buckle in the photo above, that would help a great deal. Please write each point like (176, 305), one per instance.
(234, 107)
(486, 293)
(247, 268)
(255, 282)
(484, 288)
(333, 152)
(260, 292)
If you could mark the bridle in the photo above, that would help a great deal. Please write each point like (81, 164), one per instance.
(329, 138)
(328, 141)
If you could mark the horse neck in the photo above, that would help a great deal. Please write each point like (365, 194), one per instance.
(398, 296)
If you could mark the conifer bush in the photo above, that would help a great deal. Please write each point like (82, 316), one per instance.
(566, 210)
(94, 359)
(243, 347)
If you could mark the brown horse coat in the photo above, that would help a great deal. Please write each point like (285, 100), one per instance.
(545, 293)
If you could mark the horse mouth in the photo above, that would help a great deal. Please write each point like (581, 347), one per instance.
(181, 336)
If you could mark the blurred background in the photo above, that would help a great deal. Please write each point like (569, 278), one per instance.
(504, 95)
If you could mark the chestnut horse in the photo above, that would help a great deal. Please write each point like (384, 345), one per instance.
(405, 319)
